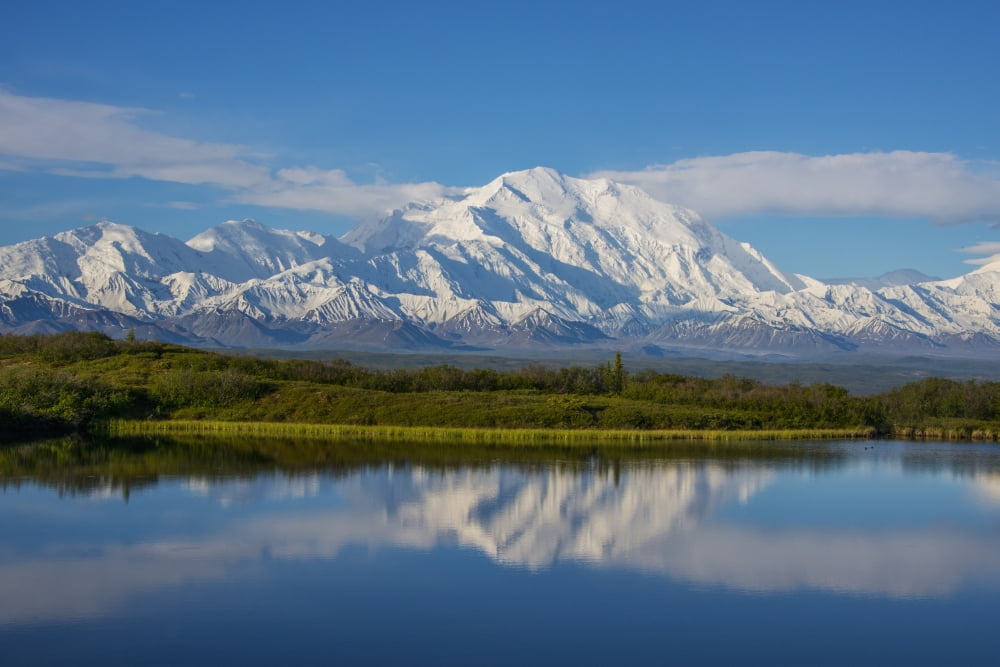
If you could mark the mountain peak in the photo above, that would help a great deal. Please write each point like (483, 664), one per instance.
(244, 224)
(534, 175)
(535, 172)
(245, 249)
(107, 238)
(581, 245)
(546, 185)
(98, 230)
(250, 234)
(104, 223)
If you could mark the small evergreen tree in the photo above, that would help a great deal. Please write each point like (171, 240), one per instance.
(618, 375)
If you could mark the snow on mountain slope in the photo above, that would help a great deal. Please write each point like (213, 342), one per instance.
(575, 247)
(108, 264)
(239, 250)
(131, 271)
(532, 258)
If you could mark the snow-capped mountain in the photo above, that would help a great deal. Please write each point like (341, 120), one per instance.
(531, 258)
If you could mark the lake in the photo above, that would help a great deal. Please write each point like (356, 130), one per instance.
(155, 552)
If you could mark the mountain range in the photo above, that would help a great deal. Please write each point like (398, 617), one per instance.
(533, 259)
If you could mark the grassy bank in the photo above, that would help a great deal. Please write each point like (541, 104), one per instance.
(500, 436)
(84, 382)
(974, 433)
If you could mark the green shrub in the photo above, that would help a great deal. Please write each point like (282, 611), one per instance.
(205, 389)
(56, 394)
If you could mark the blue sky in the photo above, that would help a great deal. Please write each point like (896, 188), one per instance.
(840, 139)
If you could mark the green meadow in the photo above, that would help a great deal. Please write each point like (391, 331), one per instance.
(88, 383)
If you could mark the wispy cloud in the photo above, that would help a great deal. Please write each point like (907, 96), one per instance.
(898, 184)
(331, 190)
(989, 252)
(87, 140)
(84, 139)
(106, 141)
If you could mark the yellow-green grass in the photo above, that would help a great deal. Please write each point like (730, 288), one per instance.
(976, 433)
(519, 436)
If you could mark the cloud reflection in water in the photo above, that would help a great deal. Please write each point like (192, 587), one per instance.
(660, 518)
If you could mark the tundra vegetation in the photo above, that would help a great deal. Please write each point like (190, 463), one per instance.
(85, 381)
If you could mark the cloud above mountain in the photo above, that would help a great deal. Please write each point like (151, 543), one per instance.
(989, 252)
(84, 139)
(898, 184)
(332, 191)
(90, 140)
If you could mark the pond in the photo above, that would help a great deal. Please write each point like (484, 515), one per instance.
(791, 553)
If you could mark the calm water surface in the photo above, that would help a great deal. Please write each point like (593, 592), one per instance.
(843, 553)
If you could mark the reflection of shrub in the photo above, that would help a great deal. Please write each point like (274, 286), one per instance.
(205, 389)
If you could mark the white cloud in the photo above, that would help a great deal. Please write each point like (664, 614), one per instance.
(990, 251)
(34, 129)
(87, 140)
(332, 191)
(84, 139)
(898, 184)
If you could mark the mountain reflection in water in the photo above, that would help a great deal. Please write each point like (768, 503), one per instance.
(744, 525)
